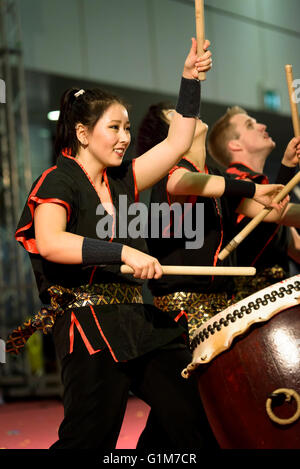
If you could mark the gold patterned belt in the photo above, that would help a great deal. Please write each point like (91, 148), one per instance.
(65, 298)
(104, 294)
(246, 286)
(199, 307)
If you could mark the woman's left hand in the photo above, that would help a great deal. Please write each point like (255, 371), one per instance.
(194, 64)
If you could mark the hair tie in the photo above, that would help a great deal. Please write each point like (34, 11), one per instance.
(78, 93)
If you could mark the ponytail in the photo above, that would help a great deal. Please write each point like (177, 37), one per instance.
(86, 108)
(65, 130)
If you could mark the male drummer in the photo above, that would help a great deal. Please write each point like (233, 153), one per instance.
(241, 144)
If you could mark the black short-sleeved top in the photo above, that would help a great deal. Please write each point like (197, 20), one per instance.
(128, 330)
(217, 227)
(267, 245)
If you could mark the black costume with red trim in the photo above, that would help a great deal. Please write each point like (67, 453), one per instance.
(218, 216)
(128, 330)
(107, 350)
(267, 245)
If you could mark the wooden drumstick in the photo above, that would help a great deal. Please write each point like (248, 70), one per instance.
(195, 270)
(258, 218)
(200, 32)
(294, 109)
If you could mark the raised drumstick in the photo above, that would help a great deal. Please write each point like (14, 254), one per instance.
(200, 32)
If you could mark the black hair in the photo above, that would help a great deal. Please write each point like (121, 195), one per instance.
(154, 128)
(87, 108)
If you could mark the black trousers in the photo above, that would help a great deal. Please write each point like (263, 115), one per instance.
(95, 396)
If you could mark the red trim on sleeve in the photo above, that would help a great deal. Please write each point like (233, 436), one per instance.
(30, 245)
(52, 200)
(136, 192)
(102, 334)
(89, 347)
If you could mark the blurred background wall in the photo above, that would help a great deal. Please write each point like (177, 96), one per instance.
(137, 49)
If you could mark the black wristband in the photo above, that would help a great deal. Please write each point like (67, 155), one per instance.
(285, 174)
(189, 98)
(239, 188)
(99, 252)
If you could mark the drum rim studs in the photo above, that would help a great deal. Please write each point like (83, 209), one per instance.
(205, 333)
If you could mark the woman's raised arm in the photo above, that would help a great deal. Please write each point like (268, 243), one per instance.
(156, 163)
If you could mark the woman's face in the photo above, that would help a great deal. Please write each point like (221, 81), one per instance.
(201, 127)
(110, 138)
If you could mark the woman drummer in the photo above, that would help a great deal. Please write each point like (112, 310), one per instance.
(108, 342)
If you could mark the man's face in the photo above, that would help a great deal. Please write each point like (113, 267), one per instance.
(253, 135)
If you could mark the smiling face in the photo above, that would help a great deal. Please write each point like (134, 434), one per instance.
(108, 141)
(253, 137)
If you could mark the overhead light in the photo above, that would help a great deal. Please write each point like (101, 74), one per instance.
(53, 115)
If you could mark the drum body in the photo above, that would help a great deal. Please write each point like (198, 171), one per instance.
(235, 384)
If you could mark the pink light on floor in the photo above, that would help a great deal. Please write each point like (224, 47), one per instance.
(34, 425)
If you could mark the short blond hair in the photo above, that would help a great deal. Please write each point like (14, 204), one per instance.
(221, 133)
